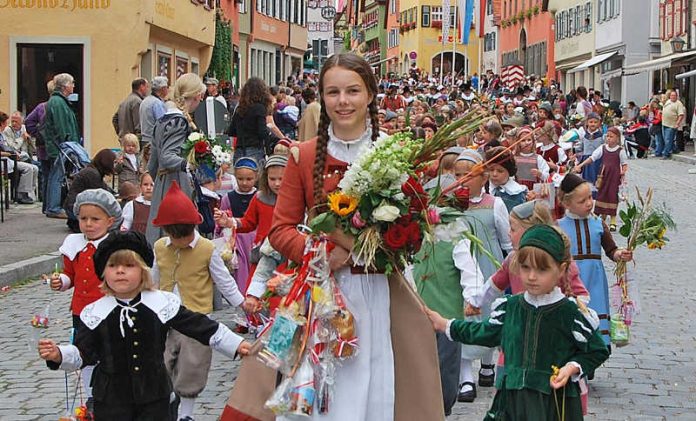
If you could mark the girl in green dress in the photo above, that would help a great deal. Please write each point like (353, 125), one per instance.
(539, 331)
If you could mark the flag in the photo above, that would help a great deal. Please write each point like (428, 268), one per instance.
(445, 18)
(466, 18)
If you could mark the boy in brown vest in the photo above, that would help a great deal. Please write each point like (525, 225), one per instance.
(188, 265)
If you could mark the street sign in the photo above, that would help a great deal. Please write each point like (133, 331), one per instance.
(413, 55)
(328, 12)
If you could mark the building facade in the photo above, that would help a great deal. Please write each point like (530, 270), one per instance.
(574, 23)
(278, 39)
(373, 24)
(490, 32)
(393, 37)
(620, 42)
(422, 43)
(320, 30)
(104, 44)
(527, 37)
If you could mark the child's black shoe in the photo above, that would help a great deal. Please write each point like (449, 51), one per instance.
(467, 392)
(485, 379)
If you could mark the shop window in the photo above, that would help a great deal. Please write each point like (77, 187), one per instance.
(164, 65)
(195, 67)
(181, 66)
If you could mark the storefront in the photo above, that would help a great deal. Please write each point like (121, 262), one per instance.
(104, 44)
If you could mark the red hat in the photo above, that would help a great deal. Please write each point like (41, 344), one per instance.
(176, 208)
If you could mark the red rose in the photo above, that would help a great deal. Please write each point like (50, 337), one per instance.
(461, 197)
(414, 235)
(396, 236)
(201, 146)
(412, 188)
(404, 220)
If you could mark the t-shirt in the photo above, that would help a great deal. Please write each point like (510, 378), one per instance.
(671, 112)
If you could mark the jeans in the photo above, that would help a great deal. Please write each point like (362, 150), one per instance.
(53, 188)
(668, 133)
(250, 152)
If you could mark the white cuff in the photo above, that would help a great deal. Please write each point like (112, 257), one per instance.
(65, 280)
(236, 299)
(447, 330)
(72, 360)
(576, 377)
(257, 289)
(225, 342)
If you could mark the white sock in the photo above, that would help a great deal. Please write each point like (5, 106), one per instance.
(86, 380)
(465, 373)
(186, 407)
(487, 359)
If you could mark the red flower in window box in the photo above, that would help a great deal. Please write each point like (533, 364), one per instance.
(436, 24)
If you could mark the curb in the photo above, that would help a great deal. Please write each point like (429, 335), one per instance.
(29, 268)
(687, 159)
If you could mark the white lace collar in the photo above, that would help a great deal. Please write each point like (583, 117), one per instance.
(141, 199)
(543, 300)
(349, 150)
(510, 187)
(164, 304)
(75, 243)
(571, 215)
(209, 193)
(612, 148)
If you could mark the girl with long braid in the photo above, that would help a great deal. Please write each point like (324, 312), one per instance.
(171, 131)
(395, 374)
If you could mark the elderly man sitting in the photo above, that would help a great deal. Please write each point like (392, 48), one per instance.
(28, 173)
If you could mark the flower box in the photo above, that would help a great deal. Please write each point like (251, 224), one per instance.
(436, 24)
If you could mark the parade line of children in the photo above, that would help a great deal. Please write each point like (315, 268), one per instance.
(142, 313)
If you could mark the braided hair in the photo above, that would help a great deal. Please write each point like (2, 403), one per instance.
(357, 64)
(187, 86)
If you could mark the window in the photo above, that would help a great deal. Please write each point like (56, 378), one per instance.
(578, 20)
(393, 37)
(392, 7)
(181, 66)
(453, 15)
(588, 17)
(164, 65)
(436, 13)
(489, 7)
(571, 22)
(425, 16)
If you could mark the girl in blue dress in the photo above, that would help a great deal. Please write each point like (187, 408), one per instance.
(588, 236)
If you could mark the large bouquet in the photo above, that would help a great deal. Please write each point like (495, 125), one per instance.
(381, 202)
(198, 149)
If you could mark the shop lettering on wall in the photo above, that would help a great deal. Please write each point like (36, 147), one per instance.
(569, 47)
(164, 9)
(69, 5)
(268, 28)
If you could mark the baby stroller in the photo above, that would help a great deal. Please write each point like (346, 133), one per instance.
(72, 158)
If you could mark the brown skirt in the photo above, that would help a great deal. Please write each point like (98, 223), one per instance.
(418, 392)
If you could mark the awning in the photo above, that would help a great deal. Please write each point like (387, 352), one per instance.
(656, 64)
(570, 65)
(611, 74)
(592, 62)
(685, 74)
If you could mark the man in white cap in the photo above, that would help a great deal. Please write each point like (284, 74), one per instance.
(212, 84)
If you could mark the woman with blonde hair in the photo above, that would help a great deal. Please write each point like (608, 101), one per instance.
(170, 133)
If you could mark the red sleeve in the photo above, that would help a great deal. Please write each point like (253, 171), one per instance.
(501, 278)
(576, 284)
(294, 198)
(68, 269)
(250, 221)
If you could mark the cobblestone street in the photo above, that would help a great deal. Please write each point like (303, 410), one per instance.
(650, 379)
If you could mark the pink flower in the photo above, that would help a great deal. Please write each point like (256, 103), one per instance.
(433, 216)
(357, 221)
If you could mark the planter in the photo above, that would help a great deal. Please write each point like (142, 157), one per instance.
(413, 25)
(436, 24)
(536, 10)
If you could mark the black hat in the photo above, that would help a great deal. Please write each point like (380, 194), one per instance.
(132, 240)
(500, 156)
(571, 182)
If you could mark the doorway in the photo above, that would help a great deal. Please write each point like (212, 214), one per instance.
(38, 63)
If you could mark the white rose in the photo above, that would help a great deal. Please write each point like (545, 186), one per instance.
(386, 213)
(195, 137)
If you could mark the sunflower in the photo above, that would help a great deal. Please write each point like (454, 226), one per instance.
(341, 204)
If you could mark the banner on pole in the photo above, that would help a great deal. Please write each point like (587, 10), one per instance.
(445, 18)
(467, 18)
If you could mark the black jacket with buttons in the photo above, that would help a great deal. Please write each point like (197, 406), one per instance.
(130, 370)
